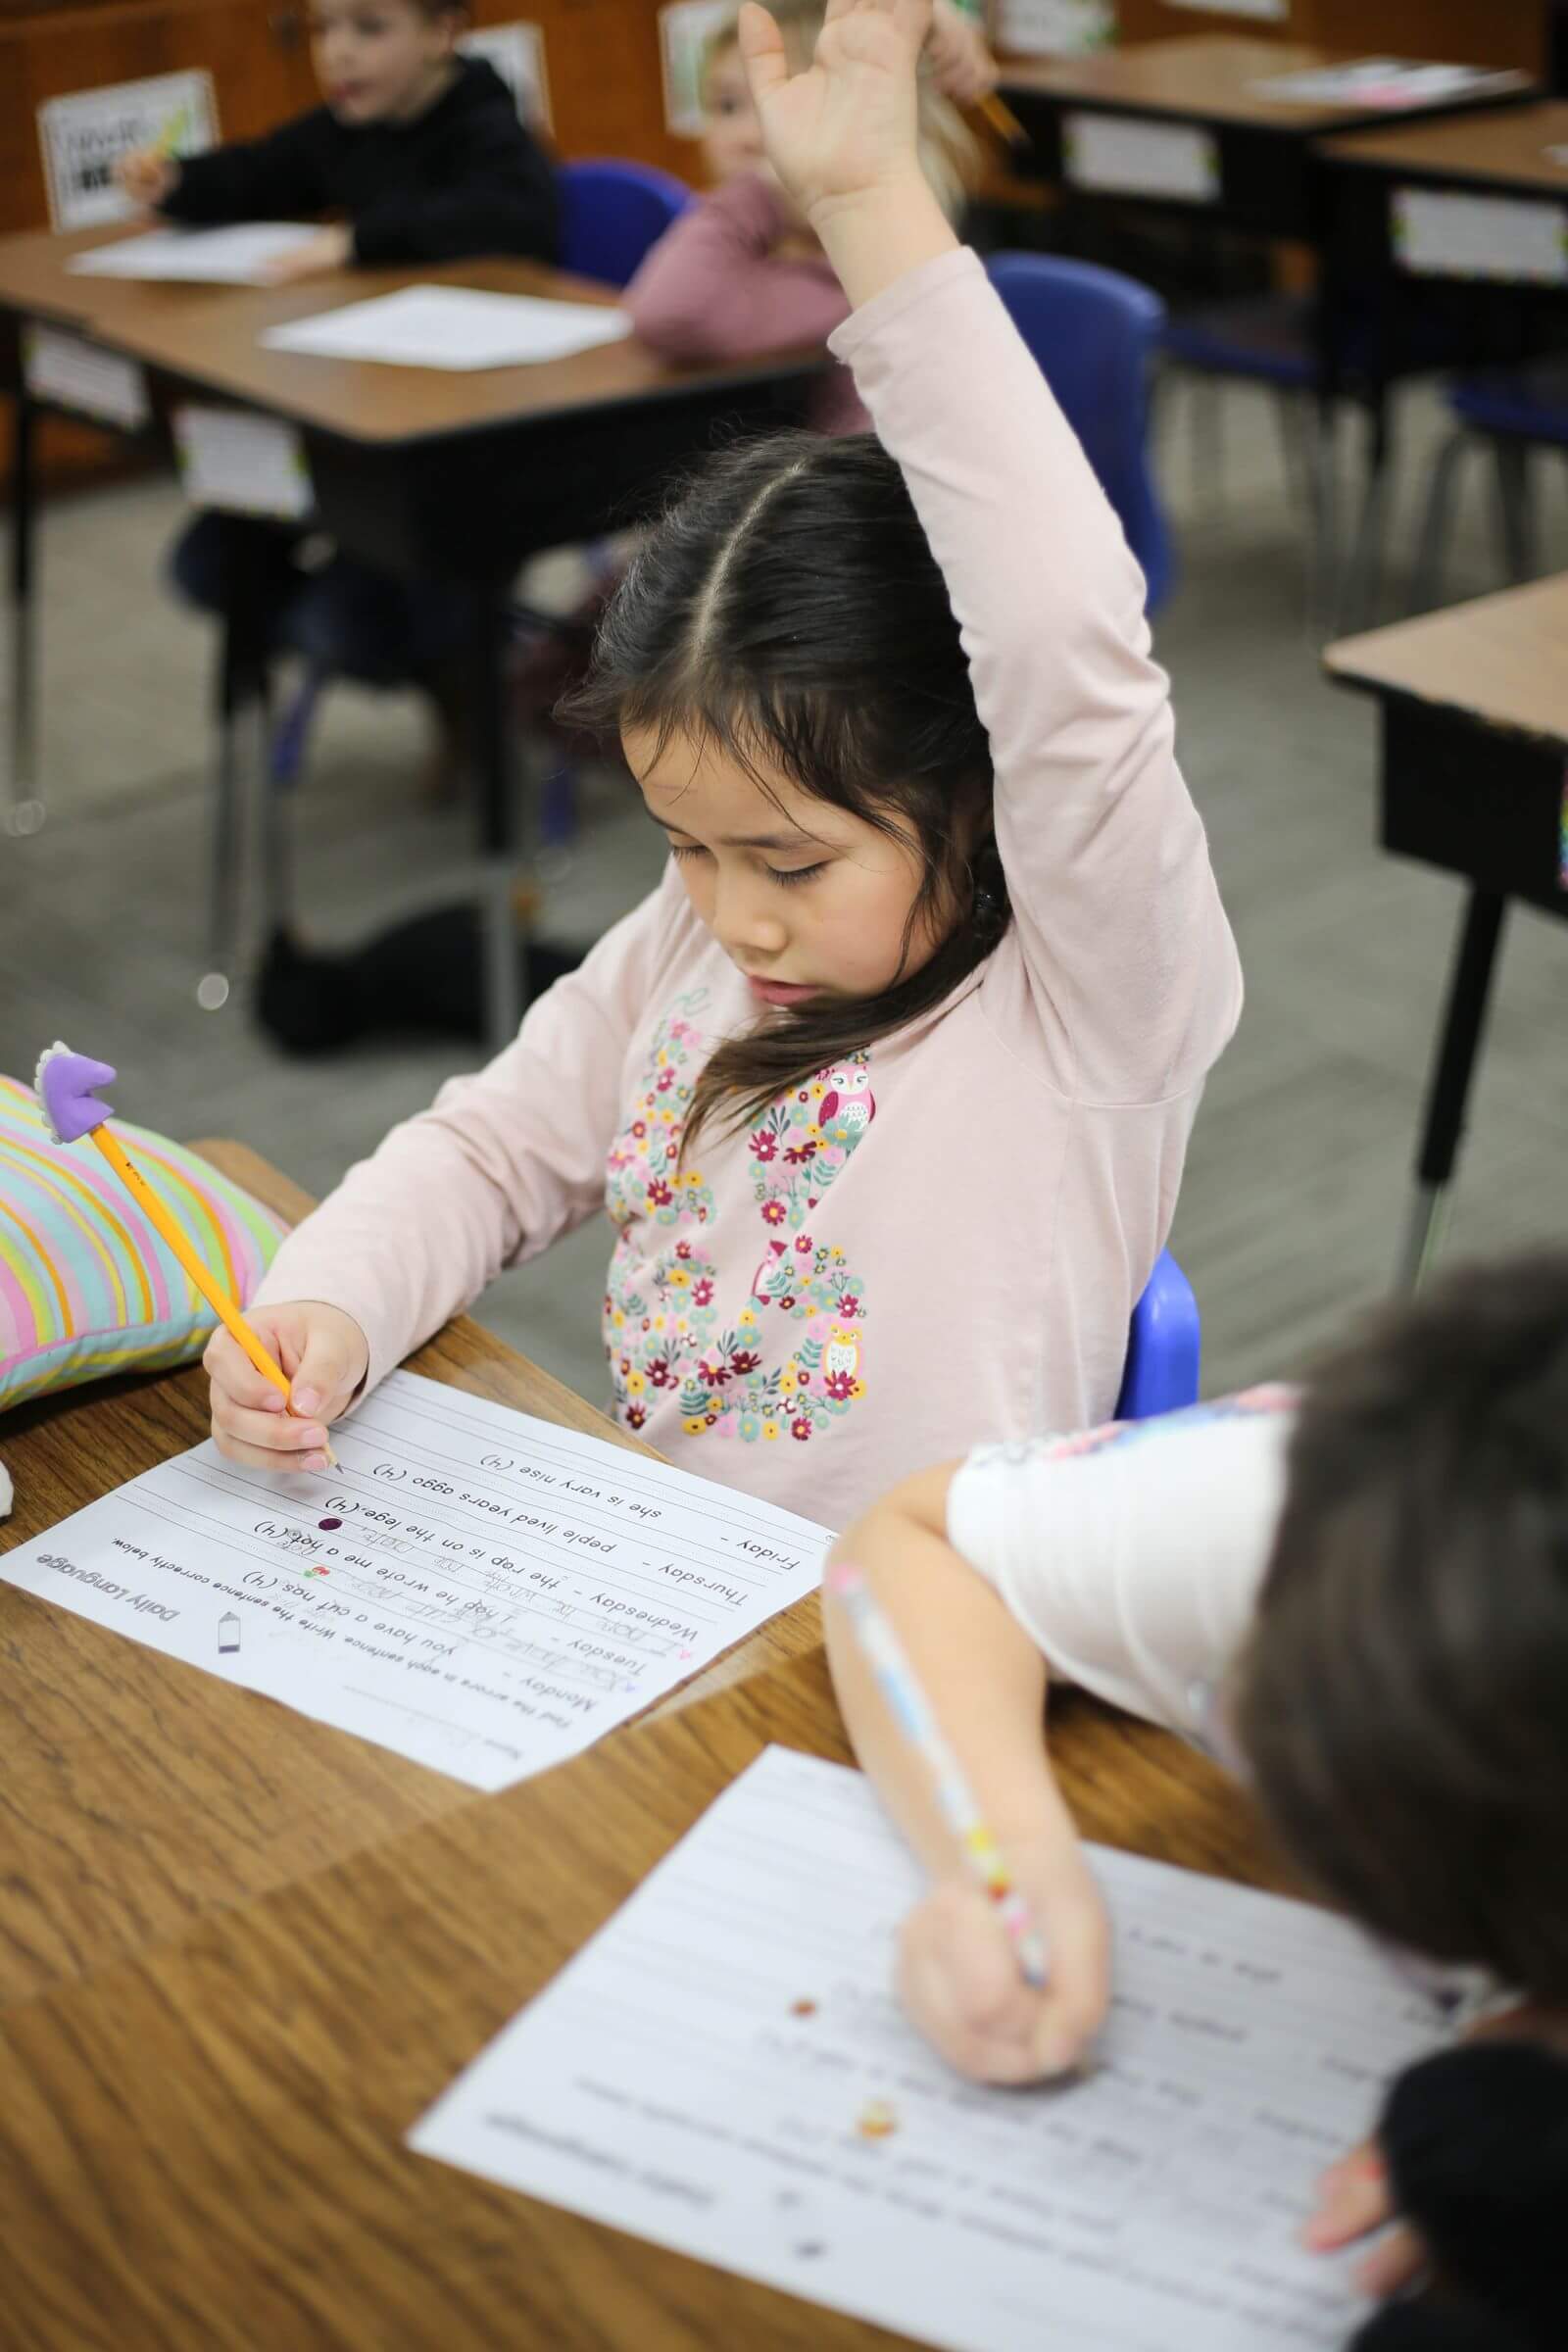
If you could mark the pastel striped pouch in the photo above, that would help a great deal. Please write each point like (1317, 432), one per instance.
(86, 1287)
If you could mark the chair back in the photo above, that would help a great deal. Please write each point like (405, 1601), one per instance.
(611, 212)
(1096, 334)
(1164, 1347)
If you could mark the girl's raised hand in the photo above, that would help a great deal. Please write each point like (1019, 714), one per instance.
(846, 128)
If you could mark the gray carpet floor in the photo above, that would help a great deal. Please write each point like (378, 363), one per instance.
(1298, 1172)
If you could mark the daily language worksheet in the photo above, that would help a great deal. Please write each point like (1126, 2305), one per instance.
(722, 2069)
(480, 1591)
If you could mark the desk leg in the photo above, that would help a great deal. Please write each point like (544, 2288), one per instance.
(1450, 1083)
(26, 811)
(497, 849)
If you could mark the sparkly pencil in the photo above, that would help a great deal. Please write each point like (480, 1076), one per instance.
(911, 1712)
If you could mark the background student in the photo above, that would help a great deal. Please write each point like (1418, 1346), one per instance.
(1357, 1597)
(743, 272)
(887, 1086)
(420, 151)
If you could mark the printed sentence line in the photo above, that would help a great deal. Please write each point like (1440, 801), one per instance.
(697, 1494)
(484, 1637)
(761, 1571)
(281, 1506)
(491, 1639)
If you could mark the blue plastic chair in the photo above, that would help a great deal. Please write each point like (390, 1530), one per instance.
(1510, 412)
(1164, 1347)
(611, 212)
(1095, 334)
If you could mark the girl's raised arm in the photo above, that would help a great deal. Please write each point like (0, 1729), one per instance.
(1129, 972)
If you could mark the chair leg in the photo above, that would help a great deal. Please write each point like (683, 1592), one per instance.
(1323, 485)
(1426, 584)
(1208, 441)
(1516, 523)
(1358, 605)
(241, 696)
(1298, 473)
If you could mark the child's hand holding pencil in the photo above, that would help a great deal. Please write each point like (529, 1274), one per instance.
(961, 1982)
(1006, 1965)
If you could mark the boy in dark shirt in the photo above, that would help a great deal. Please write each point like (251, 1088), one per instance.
(420, 149)
(422, 152)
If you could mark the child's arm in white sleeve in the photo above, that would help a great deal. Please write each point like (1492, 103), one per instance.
(985, 1680)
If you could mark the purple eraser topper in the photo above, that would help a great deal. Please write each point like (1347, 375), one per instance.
(64, 1083)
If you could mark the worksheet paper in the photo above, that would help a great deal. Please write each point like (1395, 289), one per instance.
(1384, 83)
(213, 257)
(452, 326)
(723, 2070)
(479, 1590)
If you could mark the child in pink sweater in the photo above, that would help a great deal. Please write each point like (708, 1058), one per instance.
(741, 272)
(887, 1086)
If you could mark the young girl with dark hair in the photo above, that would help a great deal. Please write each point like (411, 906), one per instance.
(1356, 1596)
(887, 1085)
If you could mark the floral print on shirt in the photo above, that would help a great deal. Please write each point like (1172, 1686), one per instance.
(667, 1332)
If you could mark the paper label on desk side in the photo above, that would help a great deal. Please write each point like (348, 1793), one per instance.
(459, 328)
(685, 28)
(70, 372)
(1132, 154)
(1437, 234)
(84, 135)
(241, 463)
(1055, 27)
(723, 2070)
(517, 54)
(480, 1592)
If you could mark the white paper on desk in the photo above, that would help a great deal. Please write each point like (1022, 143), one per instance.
(722, 2069)
(452, 326)
(479, 1590)
(1383, 84)
(214, 257)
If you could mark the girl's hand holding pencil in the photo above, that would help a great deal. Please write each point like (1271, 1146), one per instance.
(324, 1355)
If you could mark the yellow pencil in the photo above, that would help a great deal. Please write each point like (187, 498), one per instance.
(1004, 120)
(64, 1083)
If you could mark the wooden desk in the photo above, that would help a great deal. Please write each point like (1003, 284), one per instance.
(1497, 158)
(1473, 716)
(1264, 179)
(144, 1795)
(424, 472)
(205, 2144)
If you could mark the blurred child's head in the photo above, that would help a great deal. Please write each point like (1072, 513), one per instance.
(785, 670)
(1404, 1703)
(383, 61)
(732, 135)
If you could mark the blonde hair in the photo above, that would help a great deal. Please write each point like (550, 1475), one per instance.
(950, 152)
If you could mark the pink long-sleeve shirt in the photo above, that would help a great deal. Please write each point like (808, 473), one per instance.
(714, 288)
(929, 1244)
